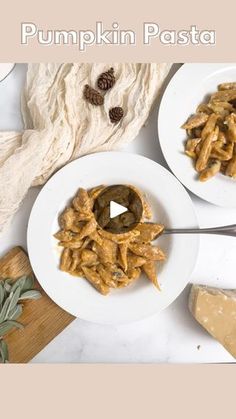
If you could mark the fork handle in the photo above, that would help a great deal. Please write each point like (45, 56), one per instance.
(224, 230)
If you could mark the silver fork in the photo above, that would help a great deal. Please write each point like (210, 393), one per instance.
(223, 231)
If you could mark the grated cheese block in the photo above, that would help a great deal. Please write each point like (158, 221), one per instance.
(215, 310)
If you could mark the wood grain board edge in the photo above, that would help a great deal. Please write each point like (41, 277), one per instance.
(43, 319)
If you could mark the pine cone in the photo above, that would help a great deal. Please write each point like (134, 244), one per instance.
(93, 96)
(106, 80)
(116, 114)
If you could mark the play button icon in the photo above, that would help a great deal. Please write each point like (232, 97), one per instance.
(116, 209)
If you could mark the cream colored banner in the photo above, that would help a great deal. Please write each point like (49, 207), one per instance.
(80, 15)
(117, 391)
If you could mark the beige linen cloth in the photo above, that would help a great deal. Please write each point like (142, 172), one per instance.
(60, 125)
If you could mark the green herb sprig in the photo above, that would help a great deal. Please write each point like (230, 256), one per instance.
(12, 294)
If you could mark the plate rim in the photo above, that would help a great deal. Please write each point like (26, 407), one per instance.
(161, 137)
(9, 71)
(196, 242)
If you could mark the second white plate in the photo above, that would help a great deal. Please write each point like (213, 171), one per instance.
(186, 90)
(5, 69)
(171, 206)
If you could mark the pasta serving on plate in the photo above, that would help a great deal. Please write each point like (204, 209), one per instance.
(211, 134)
(107, 260)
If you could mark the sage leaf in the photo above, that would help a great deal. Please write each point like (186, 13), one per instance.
(18, 283)
(15, 312)
(7, 286)
(8, 325)
(31, 294)
(5, 327)
(25, 283)
(8, 281)
(29, 284)
(4, 351)
(16, 324)
(14, 297)
(4, 310)
(11, 292)
(2, 293)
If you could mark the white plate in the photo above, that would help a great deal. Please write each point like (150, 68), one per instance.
(186, 90)
(171, 205)
(5, 69)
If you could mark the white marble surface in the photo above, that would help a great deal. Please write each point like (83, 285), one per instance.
(172, 336)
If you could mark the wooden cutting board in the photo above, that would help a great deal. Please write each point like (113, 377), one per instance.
(43, 319)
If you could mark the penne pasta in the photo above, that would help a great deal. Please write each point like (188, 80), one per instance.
(105, 259)
(211, 144)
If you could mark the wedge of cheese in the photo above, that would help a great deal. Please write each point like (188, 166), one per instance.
(215, 310)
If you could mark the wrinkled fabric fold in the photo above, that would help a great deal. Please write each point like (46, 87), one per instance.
(60, 125)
